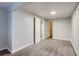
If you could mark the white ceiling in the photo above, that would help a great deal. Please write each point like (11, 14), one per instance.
(6, 4)
(43, 9)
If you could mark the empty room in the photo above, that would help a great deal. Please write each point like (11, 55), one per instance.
(39, 29)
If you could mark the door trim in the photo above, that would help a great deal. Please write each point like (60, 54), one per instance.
(34, 31)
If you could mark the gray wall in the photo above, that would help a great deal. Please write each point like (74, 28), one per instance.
(2, 29)
(8, 24)
(22, 29)
(62, 29)
(75, 30)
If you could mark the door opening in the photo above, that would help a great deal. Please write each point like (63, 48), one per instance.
(50, 29)
(36, 29)
(41, 35)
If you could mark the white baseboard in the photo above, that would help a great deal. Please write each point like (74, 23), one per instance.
(62, 39)
(5, 48)
(37, 41)
(21, 48)
(8, 49)
(2, 48)
(75, 48)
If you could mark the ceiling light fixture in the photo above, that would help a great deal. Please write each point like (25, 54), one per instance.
(53, 12)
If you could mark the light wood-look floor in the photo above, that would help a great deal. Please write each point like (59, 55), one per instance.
(47, 47)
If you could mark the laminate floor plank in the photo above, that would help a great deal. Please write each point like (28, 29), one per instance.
(47, 47)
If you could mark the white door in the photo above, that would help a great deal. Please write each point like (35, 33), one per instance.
(42, 29)
(37, 29)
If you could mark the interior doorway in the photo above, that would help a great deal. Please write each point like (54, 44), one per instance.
(42, 29)
(41, 35)
(36, 29)
(50, 30)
